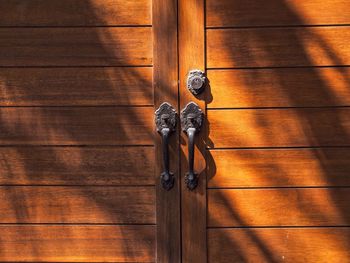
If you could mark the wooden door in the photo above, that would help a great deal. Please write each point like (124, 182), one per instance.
(78, 90)
(273, 158)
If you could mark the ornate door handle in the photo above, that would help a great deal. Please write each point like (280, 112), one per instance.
(191, 122)
(165, 118)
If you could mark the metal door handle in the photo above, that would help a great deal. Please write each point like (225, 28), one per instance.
(191, 122)
(165, 118)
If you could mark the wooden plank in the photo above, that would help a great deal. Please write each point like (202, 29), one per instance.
(294, 245)
(240, 13)
(278, 47)
(280, 127)
(75, 13)
(292, 87)
(166, 89)
(57, 204)
(280, 167)
(76, 166)
(192, 56)
(56, 243)
(75, 86)
(77, 126)
(278, 207)
(75, 46)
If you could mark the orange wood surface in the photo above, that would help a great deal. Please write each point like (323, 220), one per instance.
(99, 46)
(75, 86)
(77, 126)
(278, 47)
(279, 87)
(240, 13)
(278, 207)
(77, 165)
(292, 245)
(279, 127)
(57, 204)
(75, 13)
(57, 243)
(279, 167)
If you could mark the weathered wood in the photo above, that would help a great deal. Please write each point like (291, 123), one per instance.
(278, 207)
(75, 13)
(192, 56)
(278, 47)
(57, 204)
(293, 245)
(280, 127)
(165, 84)
(292, 87)
(77, 165)
(77, 126)
(281, 167)
(100, 46)
(57, 243)
(75, 86)
(276, 13)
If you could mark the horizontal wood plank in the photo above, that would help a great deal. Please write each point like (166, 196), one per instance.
(279, 167)
(278, 47)
(77, 243)
(76, 126)
(292, 87)
(240, 13)
(295, 245)
(75, 46)
(278, 207)
(75, 86)
(57, 204)
(77, 165)
(75, 13)
(279, 127)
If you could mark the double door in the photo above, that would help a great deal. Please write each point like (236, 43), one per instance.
(116, 148)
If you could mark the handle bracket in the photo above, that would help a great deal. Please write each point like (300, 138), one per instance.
(165, 119)
(191, 122)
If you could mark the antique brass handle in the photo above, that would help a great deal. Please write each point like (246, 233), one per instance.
(165, 118)
(191, 122)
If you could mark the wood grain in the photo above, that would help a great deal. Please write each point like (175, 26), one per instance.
(75, 13)
(191, 28)
(75, 86)
(75, 46)
(77, 205)
(279, 245)
(166, 87)
(278, 207)
(292, 87)
(77, 243)
(278, 47)
(280, 167)
(279, 127)
(276, 13)
(76, 126)
(77, 166)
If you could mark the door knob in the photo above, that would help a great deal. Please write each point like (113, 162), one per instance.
(165, 118)
(191, 122)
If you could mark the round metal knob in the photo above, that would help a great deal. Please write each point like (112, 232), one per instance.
(196, 81)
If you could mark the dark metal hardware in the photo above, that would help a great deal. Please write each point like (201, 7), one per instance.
(191, 122)
(196, 81)
(165, 118)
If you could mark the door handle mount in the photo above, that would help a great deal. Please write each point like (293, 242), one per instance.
(191, 121)
(165, 119)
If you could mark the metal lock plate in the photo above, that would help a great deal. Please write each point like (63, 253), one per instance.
(196, 81)
(165, 117)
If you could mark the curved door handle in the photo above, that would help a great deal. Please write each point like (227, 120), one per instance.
(165, 118)
(191, 122)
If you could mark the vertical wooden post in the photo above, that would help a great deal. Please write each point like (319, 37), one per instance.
(165, 84)
(193, 203)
